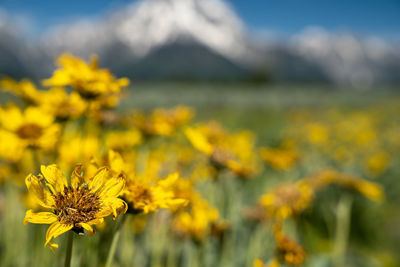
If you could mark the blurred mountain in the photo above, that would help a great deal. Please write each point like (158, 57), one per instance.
(347, 58)
(197, 40)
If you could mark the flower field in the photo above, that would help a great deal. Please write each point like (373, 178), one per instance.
(98, 171)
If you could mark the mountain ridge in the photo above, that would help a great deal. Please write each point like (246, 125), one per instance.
(151, 39)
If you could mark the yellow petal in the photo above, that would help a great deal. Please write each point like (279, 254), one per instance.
(116, 162)
(11, 118)
(76, 177)
(49, 138)
(371, 190)
(40, 217)
(87, 227)
(199, 141)
(35, 187)
(169, 181)
(99, 178)
(104, 211)
(95, 221)
(113, 187)
(55, 230)
(55, 177)
(38, 116)
(52, 246)
(117, 205)
(59, 78)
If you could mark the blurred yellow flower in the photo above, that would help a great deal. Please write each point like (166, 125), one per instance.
(56, 101)
(288, 250)
(75, 206)
(87, 79)
(196, 222)
(123, 140)
(146, 196)
(146, 193)
(279, 158)
(163, 122)
(11, 147)
(317, 133)
(287, 199)
(24, 89)
(377, 163)
(370, 190)
(32, 127)
(76, 148)
(233, 151)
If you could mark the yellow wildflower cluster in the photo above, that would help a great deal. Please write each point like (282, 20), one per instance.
(348, 138)
(168, 175)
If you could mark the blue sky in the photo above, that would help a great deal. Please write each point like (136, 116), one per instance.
(378, 17)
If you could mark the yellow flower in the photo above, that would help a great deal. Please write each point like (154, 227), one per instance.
(56, 101)
(75, 206)
(233, 151)
(24, 89)
(11, 147)
(146, 193)
(33, 127)
(288, 250)
(76, 148)
(317, 133)
(87, 79)
(199, 141)
(125, 140)
(163, 122)
(377, 163)
(196, 222)
(370, 190)
(279, 158)
(287, 200)
(148, 196)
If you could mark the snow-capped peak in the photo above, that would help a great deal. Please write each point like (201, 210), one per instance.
(149, 24)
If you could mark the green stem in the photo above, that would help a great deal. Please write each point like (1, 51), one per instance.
(68, 255)
(114, 242)
(343, 217)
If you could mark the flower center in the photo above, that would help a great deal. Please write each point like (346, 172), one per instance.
(76, 205)
(29, 131)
